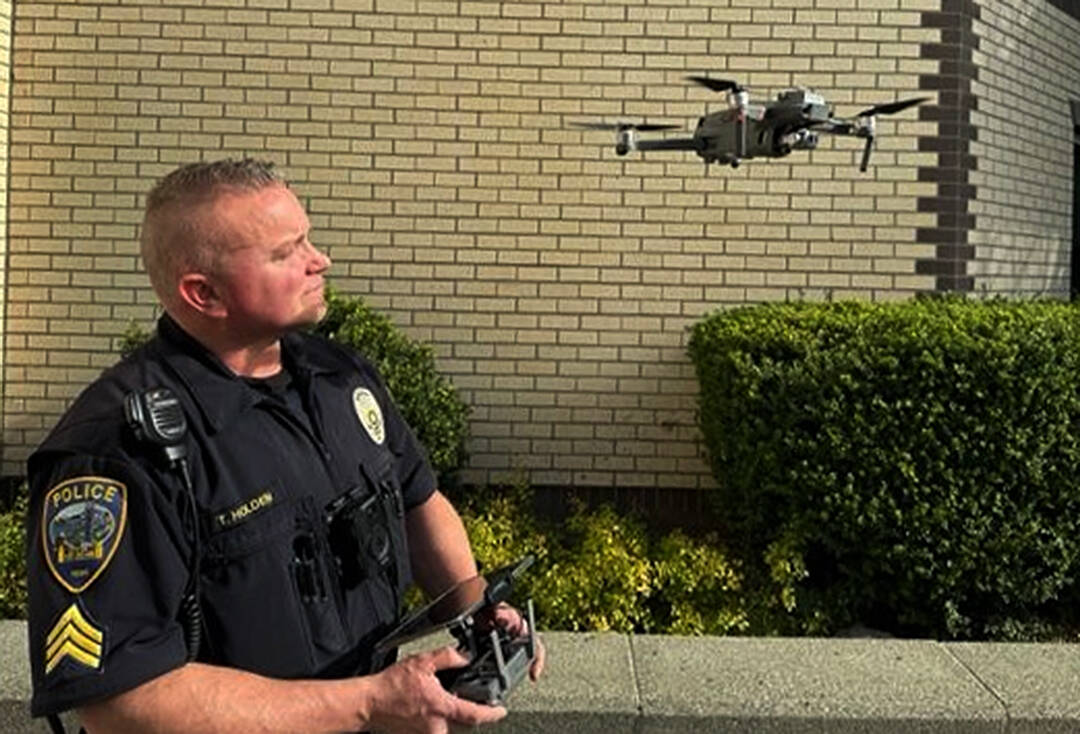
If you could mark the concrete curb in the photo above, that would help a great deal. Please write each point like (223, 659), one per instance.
(650, 684)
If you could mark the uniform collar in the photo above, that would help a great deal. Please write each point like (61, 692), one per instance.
(219, 393)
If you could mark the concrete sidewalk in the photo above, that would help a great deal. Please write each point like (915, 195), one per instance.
(658, 684)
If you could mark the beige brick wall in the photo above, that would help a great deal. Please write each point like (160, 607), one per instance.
(5, 104)
(431, 142)
(1029, 69)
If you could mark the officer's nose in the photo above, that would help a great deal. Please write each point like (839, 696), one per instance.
(320, 261)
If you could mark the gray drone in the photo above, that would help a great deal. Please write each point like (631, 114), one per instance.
(745, 130)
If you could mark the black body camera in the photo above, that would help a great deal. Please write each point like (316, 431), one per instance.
(359, 535)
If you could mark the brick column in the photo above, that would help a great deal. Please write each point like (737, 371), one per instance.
(952, 144)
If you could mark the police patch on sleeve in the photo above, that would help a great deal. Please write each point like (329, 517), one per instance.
(370, 414)
(82, 522)
(75, 637)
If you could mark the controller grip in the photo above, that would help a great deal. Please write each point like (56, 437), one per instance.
(496, 666)
(449, 676)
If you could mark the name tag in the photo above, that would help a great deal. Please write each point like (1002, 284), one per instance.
(244, 511)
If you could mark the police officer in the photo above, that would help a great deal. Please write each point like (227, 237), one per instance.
(222, 525)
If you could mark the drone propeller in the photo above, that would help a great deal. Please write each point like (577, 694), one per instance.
(716, 85)
(891, 108)
(620, 126)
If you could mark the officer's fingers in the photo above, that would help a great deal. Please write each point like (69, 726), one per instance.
(446, 657)
(537, 666)
(510, 619)
(472, 714)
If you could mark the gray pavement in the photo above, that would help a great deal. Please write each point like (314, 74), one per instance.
(650, 684)
(1039, 685)
(808, 685)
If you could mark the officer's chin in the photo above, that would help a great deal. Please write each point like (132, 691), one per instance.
(312, 318)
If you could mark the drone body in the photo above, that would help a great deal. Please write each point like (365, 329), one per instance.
(745, 130)
(767, 131)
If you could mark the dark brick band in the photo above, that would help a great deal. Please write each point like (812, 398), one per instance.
(1069, 7)
(952, 143)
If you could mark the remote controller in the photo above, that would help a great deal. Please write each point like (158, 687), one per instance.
(497, 661)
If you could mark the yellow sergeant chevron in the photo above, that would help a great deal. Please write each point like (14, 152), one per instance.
(73, 637)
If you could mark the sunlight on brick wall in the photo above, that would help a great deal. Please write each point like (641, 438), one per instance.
(431, 143)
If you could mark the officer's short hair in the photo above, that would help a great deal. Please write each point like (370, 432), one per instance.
(172, 241)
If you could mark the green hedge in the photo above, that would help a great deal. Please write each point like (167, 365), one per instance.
(602, 571)
(914, 465)
(13, 558)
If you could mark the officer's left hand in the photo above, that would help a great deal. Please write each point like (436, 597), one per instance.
(510, 619)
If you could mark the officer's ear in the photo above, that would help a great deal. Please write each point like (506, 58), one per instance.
(199, 293)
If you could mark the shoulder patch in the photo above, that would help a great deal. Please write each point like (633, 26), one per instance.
(82, 521)
(74, 637)
(370, 414)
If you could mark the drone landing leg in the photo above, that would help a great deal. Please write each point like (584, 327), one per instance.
(866, 154)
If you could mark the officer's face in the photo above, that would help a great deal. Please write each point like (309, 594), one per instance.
(271, 276)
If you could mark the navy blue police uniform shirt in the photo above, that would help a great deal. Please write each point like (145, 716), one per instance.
(109, 551)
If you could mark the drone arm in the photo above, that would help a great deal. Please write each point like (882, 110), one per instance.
(671, 144)
(836, 127)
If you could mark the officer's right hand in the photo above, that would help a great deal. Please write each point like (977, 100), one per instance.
(407, 697)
